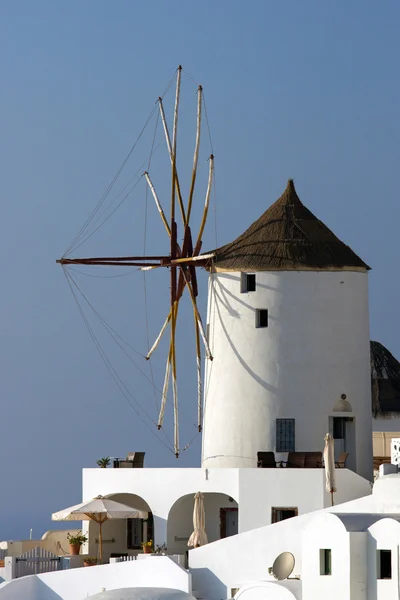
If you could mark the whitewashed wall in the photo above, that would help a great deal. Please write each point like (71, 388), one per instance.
(256, 491)
(315, 349)
(54, 540)
(78, 584)
(326, 531)
(383, 535)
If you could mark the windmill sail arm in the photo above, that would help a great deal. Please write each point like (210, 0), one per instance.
(207, 201)
(158, 203)
(158, 339)
(196, 151)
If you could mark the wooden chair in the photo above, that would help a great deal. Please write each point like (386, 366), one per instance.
(295, 460)
(341, 461)
(313, 460)
(266, 460)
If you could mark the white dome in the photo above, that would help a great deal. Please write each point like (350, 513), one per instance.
(143, 593)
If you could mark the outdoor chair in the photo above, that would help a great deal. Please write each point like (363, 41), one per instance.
(341, 461)
(266, 460)
(295, 460)
(137, 458)
(313, 460)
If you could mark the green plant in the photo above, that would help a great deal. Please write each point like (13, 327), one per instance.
(76, 540)
(162, 549)
(148, 544)
(103, 462)
(90, 560)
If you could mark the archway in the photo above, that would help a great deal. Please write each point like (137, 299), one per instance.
(122, 536)
(222, 518)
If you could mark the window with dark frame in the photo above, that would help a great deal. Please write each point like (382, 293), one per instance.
(282, 513)
(134, 532)
(261, 317)
(248, 282)
(384, 560)
(325, 561)
(285, 435)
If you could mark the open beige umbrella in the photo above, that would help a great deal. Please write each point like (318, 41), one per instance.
(329, 461)
(199, 536)
(99, 509)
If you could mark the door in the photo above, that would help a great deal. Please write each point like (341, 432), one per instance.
(229, 522)
(344, 433)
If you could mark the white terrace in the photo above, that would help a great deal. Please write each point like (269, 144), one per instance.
(235, 500)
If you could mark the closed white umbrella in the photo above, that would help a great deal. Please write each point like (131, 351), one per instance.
(329, 461)
(199, 536)
(99, 509)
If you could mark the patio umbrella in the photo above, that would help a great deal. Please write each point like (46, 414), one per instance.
(199, 536)
(329, 461)
(99, 509)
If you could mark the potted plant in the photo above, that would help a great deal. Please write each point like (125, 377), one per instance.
(75, 542)
(162, 549)
(89, 561)
(103, 462)
(147, 547)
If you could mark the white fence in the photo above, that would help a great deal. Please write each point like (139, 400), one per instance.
(33, 562)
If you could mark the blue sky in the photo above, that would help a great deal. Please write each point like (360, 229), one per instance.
(308, 90)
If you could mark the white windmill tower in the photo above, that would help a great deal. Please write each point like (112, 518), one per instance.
(288, 326)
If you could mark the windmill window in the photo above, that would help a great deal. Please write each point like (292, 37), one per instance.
(325, 561)
(248, 282)
(384, 560)
(285, 435)
(261, 317)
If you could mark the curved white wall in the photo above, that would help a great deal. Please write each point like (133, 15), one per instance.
(315, 348)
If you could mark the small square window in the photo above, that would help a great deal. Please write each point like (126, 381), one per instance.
(261, 317)
(280, 514)
(325, 561)
(384, 566)
(248, 282)
(285, 435)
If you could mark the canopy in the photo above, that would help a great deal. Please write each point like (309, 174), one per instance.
(97, 509)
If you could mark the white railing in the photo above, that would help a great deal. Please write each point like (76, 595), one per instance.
(118, 559)
(33, 562)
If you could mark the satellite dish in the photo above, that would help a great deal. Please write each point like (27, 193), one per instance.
(283, 566)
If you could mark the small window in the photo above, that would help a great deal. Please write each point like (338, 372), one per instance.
(280, 514)
(248, 282)
(285, 435)
(384, 560)
(261, 317)
(325, 561)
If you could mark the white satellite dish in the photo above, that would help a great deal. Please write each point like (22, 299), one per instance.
(283, 566)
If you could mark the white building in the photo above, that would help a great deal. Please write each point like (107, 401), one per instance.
(288, 326)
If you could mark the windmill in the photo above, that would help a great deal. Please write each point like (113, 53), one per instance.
(181, 261)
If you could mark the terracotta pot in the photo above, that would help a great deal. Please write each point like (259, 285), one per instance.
(74, 549)
(147, 549)
(88, 564)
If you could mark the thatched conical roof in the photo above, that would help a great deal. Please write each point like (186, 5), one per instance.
(385, 382)
(289, 237)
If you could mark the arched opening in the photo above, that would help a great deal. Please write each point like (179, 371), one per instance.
(221, 516)
(122, 537)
